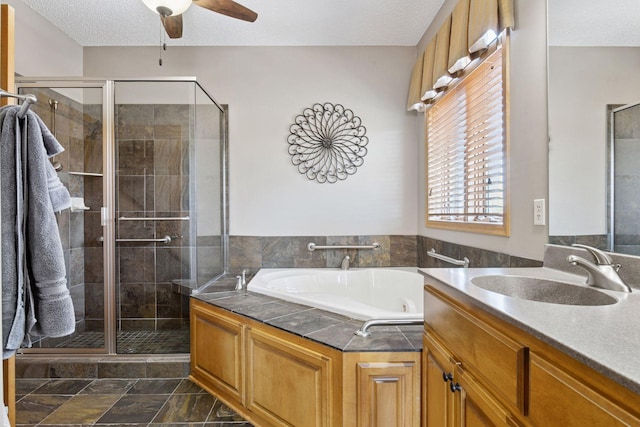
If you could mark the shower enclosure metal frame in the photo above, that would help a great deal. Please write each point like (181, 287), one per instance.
(108, 212)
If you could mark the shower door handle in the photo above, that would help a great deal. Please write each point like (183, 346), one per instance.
(104, 216)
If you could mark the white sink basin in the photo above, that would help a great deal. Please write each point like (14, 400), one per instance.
(543, 290)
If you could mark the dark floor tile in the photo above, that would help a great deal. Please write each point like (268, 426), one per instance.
(222, 412)
(109, 386)
(188, 387)
(133, 408)
(154, 386)
(82, 409)
(26, 386)
(186, 408)
(230, 424)
(62, 387)
(34, 408)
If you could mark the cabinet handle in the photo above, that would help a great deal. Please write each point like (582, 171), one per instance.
(447, 377)
(454, 387)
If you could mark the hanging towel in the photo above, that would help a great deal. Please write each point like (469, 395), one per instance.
(35, 297)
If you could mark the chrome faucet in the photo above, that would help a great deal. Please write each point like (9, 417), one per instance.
(345, 262)
(601, 274)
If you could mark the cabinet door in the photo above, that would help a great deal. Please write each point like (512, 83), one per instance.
(216, 352)
(560, 399)
(476, 407)
(385, 394)
(438, 405)
(287, 384)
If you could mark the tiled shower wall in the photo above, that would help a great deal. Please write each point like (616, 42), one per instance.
(152, 181)
(255, 252)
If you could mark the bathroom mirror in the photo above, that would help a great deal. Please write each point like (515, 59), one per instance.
(594, 58)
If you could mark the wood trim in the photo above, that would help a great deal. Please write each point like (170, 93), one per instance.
(7, 81)
(9, 387)
(7, 55)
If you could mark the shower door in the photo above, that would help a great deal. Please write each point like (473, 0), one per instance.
(74, 113)
(624, 209)
(168, 241)
(145, 164)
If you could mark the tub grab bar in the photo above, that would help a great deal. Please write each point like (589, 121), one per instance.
(461, 262)
(155, 218)
(312, 246)
(364, 329)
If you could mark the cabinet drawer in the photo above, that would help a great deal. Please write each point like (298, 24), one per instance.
(557, 398)
(496, 360)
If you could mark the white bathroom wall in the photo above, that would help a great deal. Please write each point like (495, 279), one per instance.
(41, 48)
(528, 136)
(265, 88)
(578, 131)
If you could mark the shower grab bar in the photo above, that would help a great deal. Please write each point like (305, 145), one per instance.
(461, 262)
(312, 246)
(27, 100)
(168, 218)
(166, 240)
(364, 329)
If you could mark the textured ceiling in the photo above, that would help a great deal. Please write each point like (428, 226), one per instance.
(594, 22)
(279, 23)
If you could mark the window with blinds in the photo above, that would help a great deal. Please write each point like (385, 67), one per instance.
(466, 153)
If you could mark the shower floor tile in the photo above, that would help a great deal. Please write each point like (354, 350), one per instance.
(135, 342)
(141, 402)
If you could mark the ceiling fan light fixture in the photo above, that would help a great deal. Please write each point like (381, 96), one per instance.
(161, 7)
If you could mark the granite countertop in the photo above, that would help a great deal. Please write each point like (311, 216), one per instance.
(324, 327)
(606, 338)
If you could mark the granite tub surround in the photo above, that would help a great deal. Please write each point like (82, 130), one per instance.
(602, 337)
(324, 327)
(255, 252)
(477, 257)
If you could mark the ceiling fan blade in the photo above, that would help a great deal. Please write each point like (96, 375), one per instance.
(172, 25)
(229, 8)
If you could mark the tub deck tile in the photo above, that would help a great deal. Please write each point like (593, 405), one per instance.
(324, 327)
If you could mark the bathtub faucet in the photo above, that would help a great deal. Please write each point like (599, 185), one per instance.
(345, 262)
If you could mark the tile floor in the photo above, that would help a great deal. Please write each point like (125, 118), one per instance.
(119, 402)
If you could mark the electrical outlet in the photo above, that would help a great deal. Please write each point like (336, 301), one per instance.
(539, 217)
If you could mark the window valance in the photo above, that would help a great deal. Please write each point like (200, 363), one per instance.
(470, 29)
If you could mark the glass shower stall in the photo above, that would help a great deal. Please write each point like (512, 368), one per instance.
(145, 163)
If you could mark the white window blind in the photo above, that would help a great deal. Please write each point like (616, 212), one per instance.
(466, 149)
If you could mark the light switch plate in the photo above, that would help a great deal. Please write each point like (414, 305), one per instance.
(539, 215)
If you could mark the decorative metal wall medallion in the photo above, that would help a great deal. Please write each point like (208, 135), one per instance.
(327, 142)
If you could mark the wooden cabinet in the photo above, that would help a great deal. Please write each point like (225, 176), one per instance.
(217, 359)
(274, 378)
(381, 389)
(452, 396)
(503, 376)
(287, 384)
(559, 398)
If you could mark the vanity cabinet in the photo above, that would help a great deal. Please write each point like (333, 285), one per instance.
(381, 389)
(274, 378)
(479, 370)
(472, 373)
